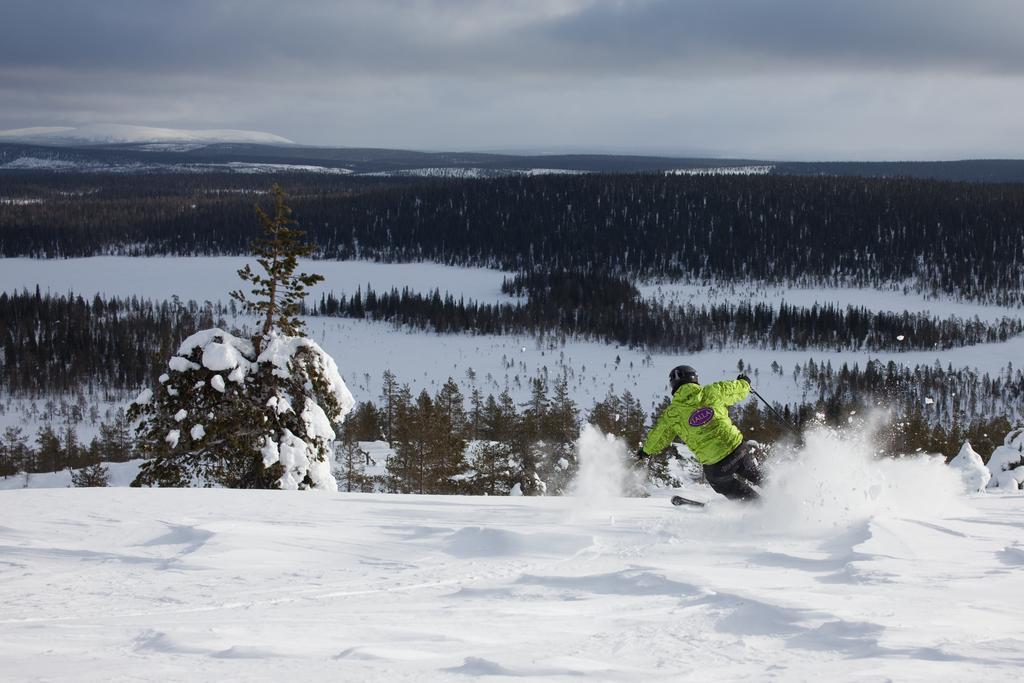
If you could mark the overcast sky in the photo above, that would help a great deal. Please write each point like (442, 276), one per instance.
(796, 79)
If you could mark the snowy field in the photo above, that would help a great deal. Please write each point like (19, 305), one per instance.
(118, 474)
(211, 278)
(895, 299)
(888, 574)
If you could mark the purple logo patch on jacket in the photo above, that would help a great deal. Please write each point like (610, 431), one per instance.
(701, 417)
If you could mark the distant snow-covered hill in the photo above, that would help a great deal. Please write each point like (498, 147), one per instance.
(115, 148)
(121, 134)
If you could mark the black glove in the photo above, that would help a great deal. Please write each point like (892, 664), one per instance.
(641, 454)
(744, 378)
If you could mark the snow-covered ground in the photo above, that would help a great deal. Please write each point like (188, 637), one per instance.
(884, 571)
(118, 474)
(895, 299)
(211, 278)
(761, 169)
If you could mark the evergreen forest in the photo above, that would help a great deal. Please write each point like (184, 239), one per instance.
(577, 246)
(946, 237)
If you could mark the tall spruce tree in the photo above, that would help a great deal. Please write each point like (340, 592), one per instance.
(350, 466)
(389, 399)
(48, 453)
(533, 452)
(14, 452)
(450, 424)
(115, 443)
(401, 472)
(249, 415)
(559, 433)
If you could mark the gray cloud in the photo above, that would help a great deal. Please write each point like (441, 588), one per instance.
(782, 76)
(981, 37)
(381, 36)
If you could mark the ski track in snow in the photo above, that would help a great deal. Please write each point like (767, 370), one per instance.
(206, 584)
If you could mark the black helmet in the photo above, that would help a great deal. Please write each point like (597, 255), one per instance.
(680, 375)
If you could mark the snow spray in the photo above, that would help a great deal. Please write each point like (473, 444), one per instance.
(604, 470)
(835, 479)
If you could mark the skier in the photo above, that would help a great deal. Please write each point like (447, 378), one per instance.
(699, 416)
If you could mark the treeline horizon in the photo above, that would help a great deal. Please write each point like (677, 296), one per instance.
(610, 309)
(931, 409)
(55, 344)
(461, 441)
(959, 239)
(60, 343)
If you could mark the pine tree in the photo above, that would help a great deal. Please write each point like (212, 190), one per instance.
(476, 412)
(633, 420)
(70, 450)
(350, 467)
(223, 416)
(451, 405)
(420, 452)
(561, 429)
(115, 442)
(401, 467)
(493, 472)
(15, 454)
(389, 404)
(48, 453)
(279, 292)
(249, 415)
(364, 423)
(447, 461)
(607, 414)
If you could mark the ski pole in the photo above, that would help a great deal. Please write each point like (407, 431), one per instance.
(776, 413)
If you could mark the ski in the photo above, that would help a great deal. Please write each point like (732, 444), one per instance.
(679, 500)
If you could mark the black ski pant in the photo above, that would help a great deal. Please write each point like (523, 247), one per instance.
(733, 475)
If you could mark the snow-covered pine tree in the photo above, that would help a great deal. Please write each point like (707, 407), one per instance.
(248, 414)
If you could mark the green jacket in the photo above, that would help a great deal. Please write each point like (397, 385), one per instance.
(699, 416)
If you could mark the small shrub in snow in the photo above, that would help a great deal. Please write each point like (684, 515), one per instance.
(269, 425)
(93, 475)
(971, 469)
(1007, 463)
